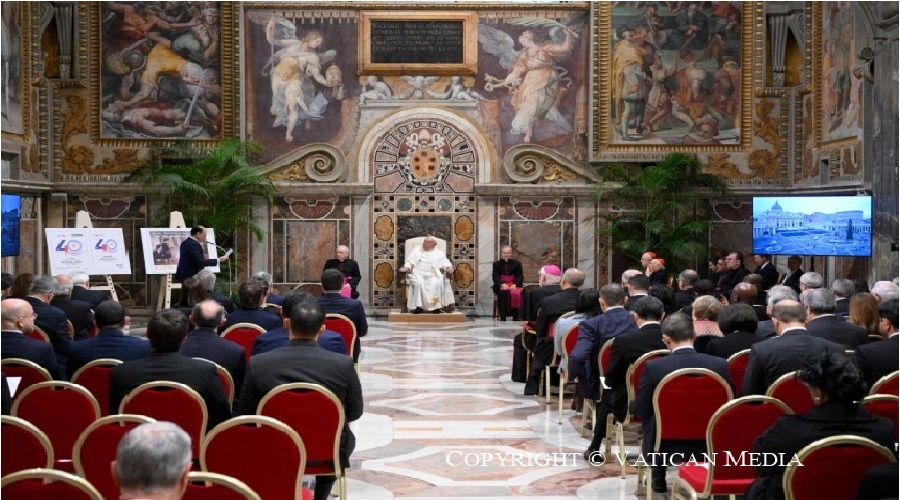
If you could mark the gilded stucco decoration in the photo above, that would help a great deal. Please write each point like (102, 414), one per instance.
(530, 164)
(77, 158)
(384, 275)
(764, 163)
(384, 227)
(313, 163)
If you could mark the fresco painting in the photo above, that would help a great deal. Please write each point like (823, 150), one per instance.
(11, 69)
(840, 88)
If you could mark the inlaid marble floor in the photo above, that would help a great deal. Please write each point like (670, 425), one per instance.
(439, 399)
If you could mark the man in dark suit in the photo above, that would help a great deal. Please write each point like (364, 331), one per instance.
(166, 331)
(647, 313)
(251, 296)
(766, 269)
(658, 275)
(348, 268)
(593, 332)
(302, 360)
(50, 319)
(842, 289)
(208, 282)
(110, 342)
(78, 312)
(880, 358)
(204, 342)
(766, 329)
(548, 281)
(678, 335)
(332, 302)
(685, 295)
(738, 324)
(792, 276)
(191, 258)
(746, 293)
(733, 275)
(551, 309)
(507, 275)
(17, 319)
(81, 290)
(266, 282)
(785, 353)
(278, 337)
(821, 321)
(638, 286)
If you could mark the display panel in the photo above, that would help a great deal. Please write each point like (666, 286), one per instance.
(12, 216)
(813, 225)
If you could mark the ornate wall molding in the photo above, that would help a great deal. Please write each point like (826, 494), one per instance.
(320, 163)
(526, 163)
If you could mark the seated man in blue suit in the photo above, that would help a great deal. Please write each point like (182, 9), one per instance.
(204, 342)
(333, 302)
(251, 296)
(277, 337)
(110, 341)
(17, 320)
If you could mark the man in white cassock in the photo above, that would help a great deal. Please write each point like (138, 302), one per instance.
(429, 288)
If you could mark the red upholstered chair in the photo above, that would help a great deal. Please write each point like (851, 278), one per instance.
(47, 484)
(37, 334)
(793, 392)
(569, 338)
(731, 432)
(344, 326)
(212, 486)
(832, 467)
(737, 366)
(30, 372)
(94, 377)
(62, 410)
(885, 385)
(264, 453)
(24, 446)
(243, 334)
(227, 380)
(96, 449)
(590, 406)
(170, 402)
(887, 406)
(318, 417)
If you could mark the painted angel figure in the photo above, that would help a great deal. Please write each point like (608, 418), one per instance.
(533, 73)
(418, 84)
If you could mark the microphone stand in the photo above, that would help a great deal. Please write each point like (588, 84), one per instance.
(230, 268)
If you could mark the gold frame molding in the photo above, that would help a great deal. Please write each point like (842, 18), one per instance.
(469, 65)
(29, 55)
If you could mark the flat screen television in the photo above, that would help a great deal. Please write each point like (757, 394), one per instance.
(11, 213)
(813, 225)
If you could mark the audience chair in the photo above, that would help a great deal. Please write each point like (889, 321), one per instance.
(37, 334)
(885, 385)
(875, 338)
(243, 334)
(30, 372)
(317, 416)
(887, 406)
(590, 406)
(267, 455)
(569, 338)
(344, 326)
(96, 449)
(789, 389)
(833, 467)
(24, 446)
(170, 402)
(226, 378)
(47, 484)
(70, 329)
(94, 377)
(732, 430)
(544, 389)
(212, 486)
(62, 410)
(737, 366)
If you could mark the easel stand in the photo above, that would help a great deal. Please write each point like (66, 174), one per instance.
(164, 301)
(83, 220)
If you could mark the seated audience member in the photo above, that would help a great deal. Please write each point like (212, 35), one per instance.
(860, 285)
(7, 280)
(678, 335)
(792, 276)
(166, 331)
(878, 359)
(863, 311)
(110, 341)
(821, 321)
(885, 290)
(77, 312)
(81, 290)
(17, 317)
(21, 285)
(746, 293)
(192, 293)
(647, 314)
(507, 279)
(50, 319)
(587, 306)
(738, 324)
(717, 267)
(429, 289)
(785, 353)
(152, 462)
(757, 281)
(348, 268)
(265, 280)
(705, 314)
(842, 289)
(334, 303)
(685, 294)
(734, 274)
(777, 293)
(302, 360)
(811, 281)
(204, 342)
(837, 386)
(627, 276)
(208, 281)
(766, 269)
(638, 286)
(278, 337)
(658, 275)
(879, 482)
(666, 295)
(252, 298)
(548, 284)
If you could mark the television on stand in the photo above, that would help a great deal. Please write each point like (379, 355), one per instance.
(11, 221)
(827, 225)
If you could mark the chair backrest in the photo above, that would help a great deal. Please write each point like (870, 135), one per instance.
(96, 449)
(243, 334)
(30, 372)
(732, 430)
(886, 385)
(412, 243)
(70, 329)
(633, 377)
(875, 338)
(318, 417)
(226, 378)
(706, 390)
(605, 355)
(62, 410)
(24, 446)
(887, 406)
(737, 366)
(47, 484)
(793, 392)
(264, 453)
(94, 377)
(832, 467)
(569, 339)
(212, 486)
(344, 326)
(170, 402)
(37, 334)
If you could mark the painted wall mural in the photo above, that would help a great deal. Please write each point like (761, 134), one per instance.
(840, 91)
(12, 66)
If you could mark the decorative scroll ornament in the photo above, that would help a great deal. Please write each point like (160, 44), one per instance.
(315, 162)
(763, 162)
(528, 163)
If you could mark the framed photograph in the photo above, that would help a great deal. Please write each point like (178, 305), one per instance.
(428, 43)
(161, 248)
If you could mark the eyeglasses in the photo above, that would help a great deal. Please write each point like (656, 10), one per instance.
(32, 316)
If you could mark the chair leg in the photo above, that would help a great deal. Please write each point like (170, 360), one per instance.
(620, 442)
(343, 482)
(562, 383)
(586, 411)
(610, 431)
(640, 480)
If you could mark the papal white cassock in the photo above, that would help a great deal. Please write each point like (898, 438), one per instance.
(429, 287)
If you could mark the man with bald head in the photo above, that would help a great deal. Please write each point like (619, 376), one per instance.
(428, 268)
(17, 318)
(348, 267)
(747, 293)
(204, 340)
